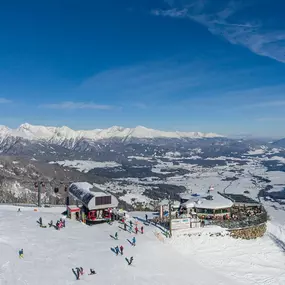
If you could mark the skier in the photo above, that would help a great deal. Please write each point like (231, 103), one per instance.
(63, 223)
(40, 221)
(125, 226)
(122, 250)
(116, 235)
(117, 250)
(130, 261)
(51, 223)
(21, 253)
(92, 272)
(19, 210)
(76, 273)
(134, 241)
(146, 218)
(142, 229)
(131, 223)
(136, 229)
(81, 270)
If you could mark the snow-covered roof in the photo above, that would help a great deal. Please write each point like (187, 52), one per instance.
(87, 194)
(217, 202)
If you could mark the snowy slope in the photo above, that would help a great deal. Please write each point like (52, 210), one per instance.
(49, 255)
(60, 134)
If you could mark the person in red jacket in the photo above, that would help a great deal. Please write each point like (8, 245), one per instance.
(136, 229)
(122, 250)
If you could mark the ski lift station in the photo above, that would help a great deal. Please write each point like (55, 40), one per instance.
(95, 204)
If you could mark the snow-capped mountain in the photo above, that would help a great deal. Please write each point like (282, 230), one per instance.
(58, 135)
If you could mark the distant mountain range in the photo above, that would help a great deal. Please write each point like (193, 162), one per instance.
(57, 135)
(279, 143)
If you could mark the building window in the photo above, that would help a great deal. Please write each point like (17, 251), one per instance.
(104, 200)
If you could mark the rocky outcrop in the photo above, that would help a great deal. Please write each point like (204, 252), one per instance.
(250, 232)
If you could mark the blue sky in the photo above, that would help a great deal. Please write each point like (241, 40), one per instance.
(211, 66)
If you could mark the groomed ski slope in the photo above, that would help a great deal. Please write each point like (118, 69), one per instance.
(49, 255)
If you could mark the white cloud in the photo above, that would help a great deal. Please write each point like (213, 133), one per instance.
(250, 33)
(4, 101)
(171, 13)
(69, 105)
(150, 81)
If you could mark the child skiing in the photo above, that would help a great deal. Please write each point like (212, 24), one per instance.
(21, 253)
(142, 229)
(122, 250)
(134, 241)
(117, 250)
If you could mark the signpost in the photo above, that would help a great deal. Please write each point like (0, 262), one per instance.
(180, 224)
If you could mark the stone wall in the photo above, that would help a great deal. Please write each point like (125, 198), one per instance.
(250, 232)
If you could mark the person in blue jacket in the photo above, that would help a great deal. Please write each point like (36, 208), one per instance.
(134, 241)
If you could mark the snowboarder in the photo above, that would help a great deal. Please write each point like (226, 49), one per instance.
(92, 272)
(134, 241)
(130, 261)
(21, 253)
(116, 235)
(117, 250)
(136, 229)
(122, 250)
(142, 229)
(146, 218)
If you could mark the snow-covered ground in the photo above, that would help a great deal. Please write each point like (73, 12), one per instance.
(85, 165)
(49, 255)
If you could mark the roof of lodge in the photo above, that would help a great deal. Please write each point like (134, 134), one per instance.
(239, 198)
(201, 201)
(85, 192)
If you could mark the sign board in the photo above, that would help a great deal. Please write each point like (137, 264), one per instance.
(180, 224)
